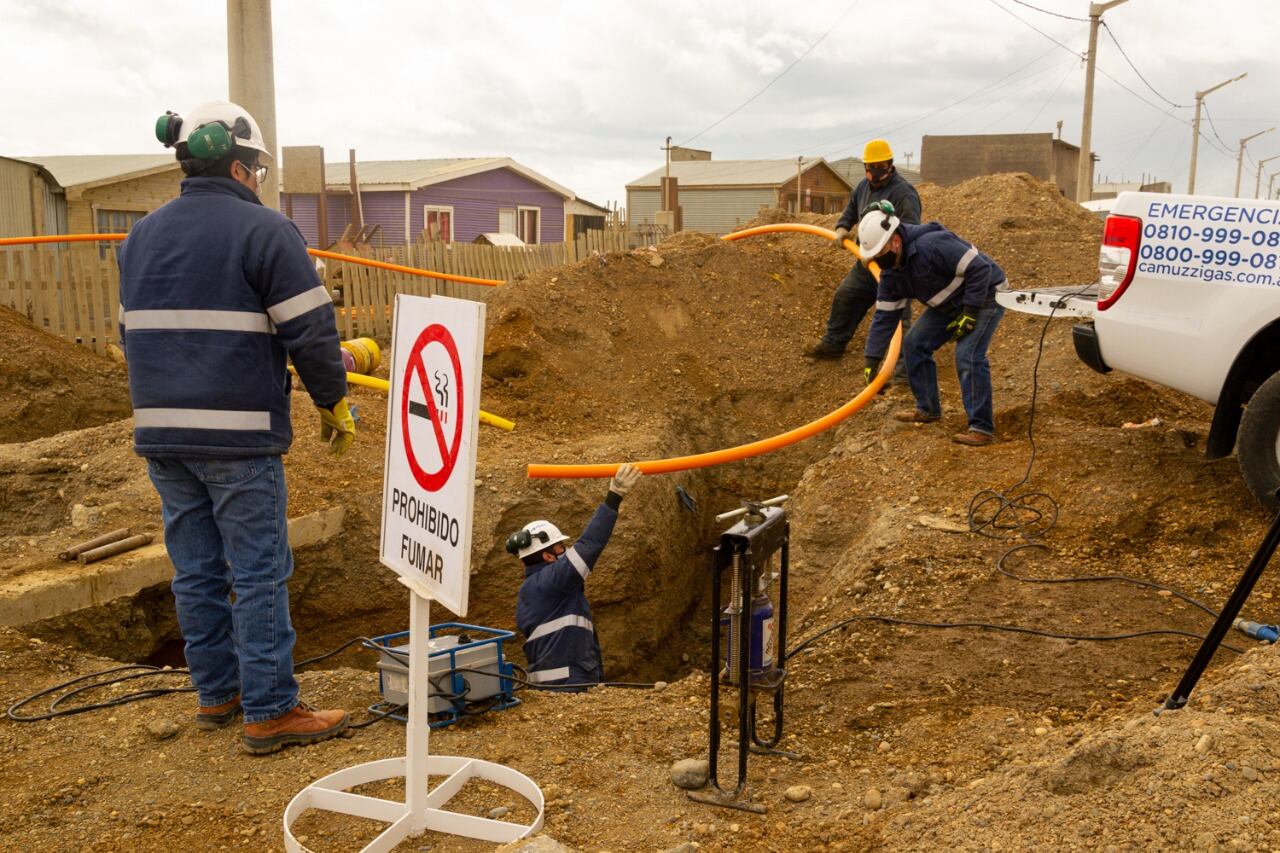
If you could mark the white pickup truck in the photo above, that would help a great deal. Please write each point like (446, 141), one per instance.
(1188, 296)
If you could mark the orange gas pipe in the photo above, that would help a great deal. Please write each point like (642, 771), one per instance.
(318, 253)
(765, 445)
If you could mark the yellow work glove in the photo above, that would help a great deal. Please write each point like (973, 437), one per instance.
(337, 427)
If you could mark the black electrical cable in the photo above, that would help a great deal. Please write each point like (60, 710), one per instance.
(1030, 514)
(1095, 578)
(1116, 41)
(1016, 629)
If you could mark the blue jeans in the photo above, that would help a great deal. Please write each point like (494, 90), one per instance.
(224, 528)
(927, 334)
(855, 296)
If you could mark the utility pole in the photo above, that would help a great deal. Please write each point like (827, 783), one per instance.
(799, 174)
(252, 80)
(1240, 156)
(1084, 186)
(667, 148)
(1257, 184)
(1271, 184)
(1195, 129)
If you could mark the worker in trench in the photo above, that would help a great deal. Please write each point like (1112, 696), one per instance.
(857, 293)
(216, 293)
(552, 612)
(957, 284)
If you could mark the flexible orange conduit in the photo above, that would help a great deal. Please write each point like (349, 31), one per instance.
(764, 445)
(318, 253)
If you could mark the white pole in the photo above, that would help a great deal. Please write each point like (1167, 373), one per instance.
(419, 729)
(1195, 129)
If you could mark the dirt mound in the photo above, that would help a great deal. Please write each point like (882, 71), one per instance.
(48, 385)
(1035, 233)
(1204, 777)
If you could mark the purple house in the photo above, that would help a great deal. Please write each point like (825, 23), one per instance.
(458, 198)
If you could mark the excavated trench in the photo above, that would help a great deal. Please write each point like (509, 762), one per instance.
(649, 593)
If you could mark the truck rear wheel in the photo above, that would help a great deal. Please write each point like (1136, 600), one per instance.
(1258, 444)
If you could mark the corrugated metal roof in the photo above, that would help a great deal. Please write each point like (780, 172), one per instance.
(727, 173)
(71, 170)
(415, 174)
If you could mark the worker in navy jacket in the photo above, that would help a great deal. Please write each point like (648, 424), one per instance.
(958, 285)
(857, 293)
(552, 612)
(216, 293)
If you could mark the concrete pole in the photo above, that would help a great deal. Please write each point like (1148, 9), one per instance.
(1257, 184)
(1271, 185)
(252, 79)
(1195, 129)
(799, 173)
(1084, 187)
(1240, 157)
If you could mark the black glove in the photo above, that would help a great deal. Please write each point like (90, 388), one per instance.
(963, 324)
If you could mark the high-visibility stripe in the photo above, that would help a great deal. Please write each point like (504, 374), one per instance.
(558, 624)
(201, 419)
(943, 295)
(891, 306)
(296, 306)
(220, 321)
(120, 315)
(578, 563)
(548, 674)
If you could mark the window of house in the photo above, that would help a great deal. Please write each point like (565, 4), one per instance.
(438, 221)
(528, 222)
(115, 222)
(506, 220)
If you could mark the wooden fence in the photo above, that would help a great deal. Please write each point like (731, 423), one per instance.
(73, 292)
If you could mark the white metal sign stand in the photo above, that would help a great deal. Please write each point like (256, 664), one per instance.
(433, 412)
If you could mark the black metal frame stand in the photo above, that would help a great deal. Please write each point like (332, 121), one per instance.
(750, 546)
(1178, 698)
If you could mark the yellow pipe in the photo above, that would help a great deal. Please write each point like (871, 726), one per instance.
(384, 386)
(765, 445)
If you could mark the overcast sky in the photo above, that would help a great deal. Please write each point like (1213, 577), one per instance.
(586, 92)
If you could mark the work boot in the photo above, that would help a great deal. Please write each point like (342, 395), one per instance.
(823, 351)
(915, 416)
(302, 725)
(210, 717)
(973, 438)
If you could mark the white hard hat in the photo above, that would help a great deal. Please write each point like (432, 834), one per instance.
(246, 135)
(534, 538)
(874, 231)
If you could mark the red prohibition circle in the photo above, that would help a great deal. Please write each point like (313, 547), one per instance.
(432, 481)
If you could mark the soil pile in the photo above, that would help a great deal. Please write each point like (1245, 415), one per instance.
(1037, 235)
(48, 385)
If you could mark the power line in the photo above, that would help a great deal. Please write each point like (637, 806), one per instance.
(1047, 12)
(1139, 73)
(779, 76)
(1018, 17)
(998, 97)
(930, 113)
(1052, 94)
(1226, 149)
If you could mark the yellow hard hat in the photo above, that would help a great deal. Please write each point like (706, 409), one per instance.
(877, 151)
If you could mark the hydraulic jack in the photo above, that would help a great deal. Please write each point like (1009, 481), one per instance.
(756, 643)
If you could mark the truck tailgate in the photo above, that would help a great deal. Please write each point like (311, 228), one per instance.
(1071, 301)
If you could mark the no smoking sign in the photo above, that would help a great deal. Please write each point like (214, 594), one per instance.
(432, 419)
(430, 403)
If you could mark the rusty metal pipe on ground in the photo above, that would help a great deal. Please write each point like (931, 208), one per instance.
(97, 542)
(115, 548)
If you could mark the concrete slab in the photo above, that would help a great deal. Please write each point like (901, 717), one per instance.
(71, 586)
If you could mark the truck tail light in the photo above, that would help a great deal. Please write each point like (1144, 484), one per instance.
(1117, 258)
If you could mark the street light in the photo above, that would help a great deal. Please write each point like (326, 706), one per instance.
(1271, 185)
(1084, 176)
(1195, 129)
(1240, 156)
(1257, 184)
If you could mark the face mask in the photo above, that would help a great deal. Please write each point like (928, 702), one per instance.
(878, 173)
(890, 260)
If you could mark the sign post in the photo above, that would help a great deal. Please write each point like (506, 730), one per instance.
(433, 412)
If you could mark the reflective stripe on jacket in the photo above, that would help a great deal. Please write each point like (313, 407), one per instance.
(939, 269)
(553, 614)
(217, 292)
